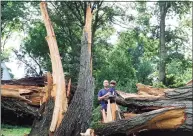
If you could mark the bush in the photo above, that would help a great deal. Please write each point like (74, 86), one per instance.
(96, 116)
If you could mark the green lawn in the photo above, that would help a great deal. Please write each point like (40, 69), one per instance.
(8, 130)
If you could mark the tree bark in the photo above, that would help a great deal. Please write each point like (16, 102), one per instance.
(20, 99)
(78, 115)
(157, 119)
(162, 52)
(41, 124)
(18, 107)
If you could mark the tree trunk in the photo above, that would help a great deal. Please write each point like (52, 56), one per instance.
(171, 110)
(157, 119)
(162, 52)
(20, 99)
(41, 124)
(59, 91)
(17, 112)
(78, 115)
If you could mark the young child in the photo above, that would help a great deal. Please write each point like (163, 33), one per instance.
(112, 87)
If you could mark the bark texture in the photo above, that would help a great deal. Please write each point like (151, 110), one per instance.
(78, 115)
(22, 96)
(163, 53)
(42, 123)
(28, 81)
(145, 121)
(20, 99)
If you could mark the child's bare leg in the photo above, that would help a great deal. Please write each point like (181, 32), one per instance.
(104, 115)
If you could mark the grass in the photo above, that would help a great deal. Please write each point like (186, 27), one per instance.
(9, 130)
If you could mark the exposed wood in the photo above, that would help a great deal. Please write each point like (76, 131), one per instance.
(22, 97)
(69, 85)
(189, 83)
(113, 111)
(146, 89)
(129, 115)
(41, 124)
(157, 119)
(48, 88)
(138, 97)
(79, 113)
(89, 132)
(58, 75)
(181, 97)
(170, 111)
(109, 113)
(88, 33)
(29, 94)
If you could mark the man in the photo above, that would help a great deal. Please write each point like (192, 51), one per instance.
(102, 96)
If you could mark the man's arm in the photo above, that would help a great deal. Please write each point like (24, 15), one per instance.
(100, 97)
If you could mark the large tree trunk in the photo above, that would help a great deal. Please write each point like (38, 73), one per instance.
(21, 99)
(170, 109)
(162, 51)
(78, 115)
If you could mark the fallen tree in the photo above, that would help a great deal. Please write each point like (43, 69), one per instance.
(21, 99)
(151, 109)
(23, 95)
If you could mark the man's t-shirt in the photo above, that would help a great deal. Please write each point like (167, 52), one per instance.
(101, 93)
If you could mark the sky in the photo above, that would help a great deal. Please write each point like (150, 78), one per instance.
(18, 68)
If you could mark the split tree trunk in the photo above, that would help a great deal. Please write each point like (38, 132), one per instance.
(78, 115)
(59, 90)
(171, 110)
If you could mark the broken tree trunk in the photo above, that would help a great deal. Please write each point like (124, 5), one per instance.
(78, 115)
(25, 92)
(170, 109)
(20, 99)
(42, 123)
(29, 94)
(59, 90)
(157, 119)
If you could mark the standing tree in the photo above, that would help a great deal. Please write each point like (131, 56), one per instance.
(78, 115)
(164, 6)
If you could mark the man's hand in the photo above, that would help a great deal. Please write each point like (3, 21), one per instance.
(107, 94)
(104, 97)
